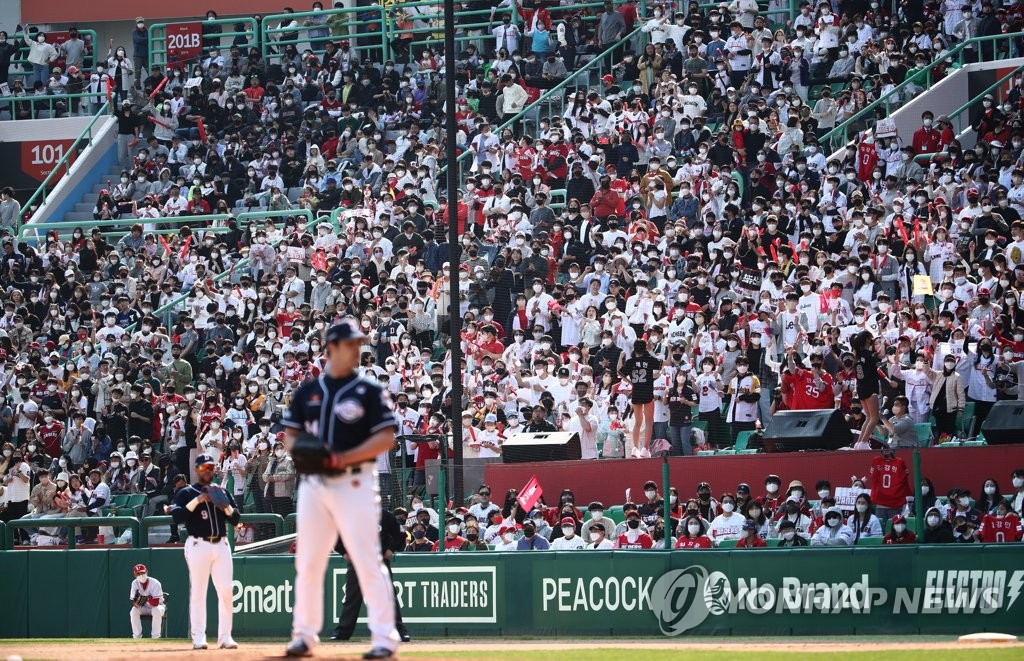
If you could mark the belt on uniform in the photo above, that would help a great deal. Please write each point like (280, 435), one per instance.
(212, 540)
(347, 471)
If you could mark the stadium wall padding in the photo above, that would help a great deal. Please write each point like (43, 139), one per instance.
(84, 593)
(607, 480)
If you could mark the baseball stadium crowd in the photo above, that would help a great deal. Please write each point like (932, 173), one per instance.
(661, 265)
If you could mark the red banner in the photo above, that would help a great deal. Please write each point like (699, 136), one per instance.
(530, 494)
(184, 41)
(38, 157)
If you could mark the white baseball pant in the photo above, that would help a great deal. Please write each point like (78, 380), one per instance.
(206, 561)
(156, 612)
(348, 505)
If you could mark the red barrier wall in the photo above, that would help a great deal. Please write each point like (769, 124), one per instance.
(606, 480)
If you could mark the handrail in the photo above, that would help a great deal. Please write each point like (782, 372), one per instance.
(251, 32)
(64, 161)
(914, 78)
(19, 39)
(547, 96)
(73, 521)
(33, 100)
(255, 517)
(268, 32)
(988, 90)
(35, 228)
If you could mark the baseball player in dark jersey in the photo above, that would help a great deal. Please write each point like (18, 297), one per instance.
(207, 511)
(353, 417)
(392, 540)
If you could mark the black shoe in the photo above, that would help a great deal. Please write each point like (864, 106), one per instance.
(337, 635)
(379, 653)
(298, 647)
(404, 635)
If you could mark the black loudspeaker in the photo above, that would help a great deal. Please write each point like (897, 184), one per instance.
(819, 429)
(554, 446)
(1004, 423)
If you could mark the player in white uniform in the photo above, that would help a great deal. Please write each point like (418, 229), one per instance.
(353, 418)
(147, 596)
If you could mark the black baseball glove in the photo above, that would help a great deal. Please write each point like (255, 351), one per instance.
(140, 600)
(217, 496)
(311, 456)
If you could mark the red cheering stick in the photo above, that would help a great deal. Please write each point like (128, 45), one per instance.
(110, 93)
(164, 242)
(158, 88)
(903, 232)
(184, 250)
(202, 129)
(775, 255)
(157, 121)
(917, 231)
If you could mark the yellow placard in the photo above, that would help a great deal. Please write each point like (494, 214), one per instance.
(922, 285)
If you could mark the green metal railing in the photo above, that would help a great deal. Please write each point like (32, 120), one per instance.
(88, 58)
(435, 31)
(36, 105)
(63, 166)
(32, 232)
(158, 38)
(343, 23)
(552, 101)
(885, 105)
(997, 89)
(72, 522)
(276, 520)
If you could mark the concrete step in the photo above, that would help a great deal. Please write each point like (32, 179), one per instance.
(78, 216)
(86, 207)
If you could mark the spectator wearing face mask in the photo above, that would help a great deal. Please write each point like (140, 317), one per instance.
(633, 537)
(834, 532)
(728, 525)
(900, 534)
(596, 517)
(1001, 525)
(279, 478)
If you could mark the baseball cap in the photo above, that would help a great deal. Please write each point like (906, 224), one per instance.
(490, 417)
(749, 524)
(568, 521)
(204, 459)
(344, 330)
(139, 569)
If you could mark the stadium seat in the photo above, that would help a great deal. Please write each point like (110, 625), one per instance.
(742, 439)
(772, 542)
(966, 419)
(118, 502)
(870, 541)
(924, 434)
(706, 453)
(615, 514)
(750, 451)
(975, 444)
(136, 504)
(727, 451)
(727, 544)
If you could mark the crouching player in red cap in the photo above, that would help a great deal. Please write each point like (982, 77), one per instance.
(147, 598)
